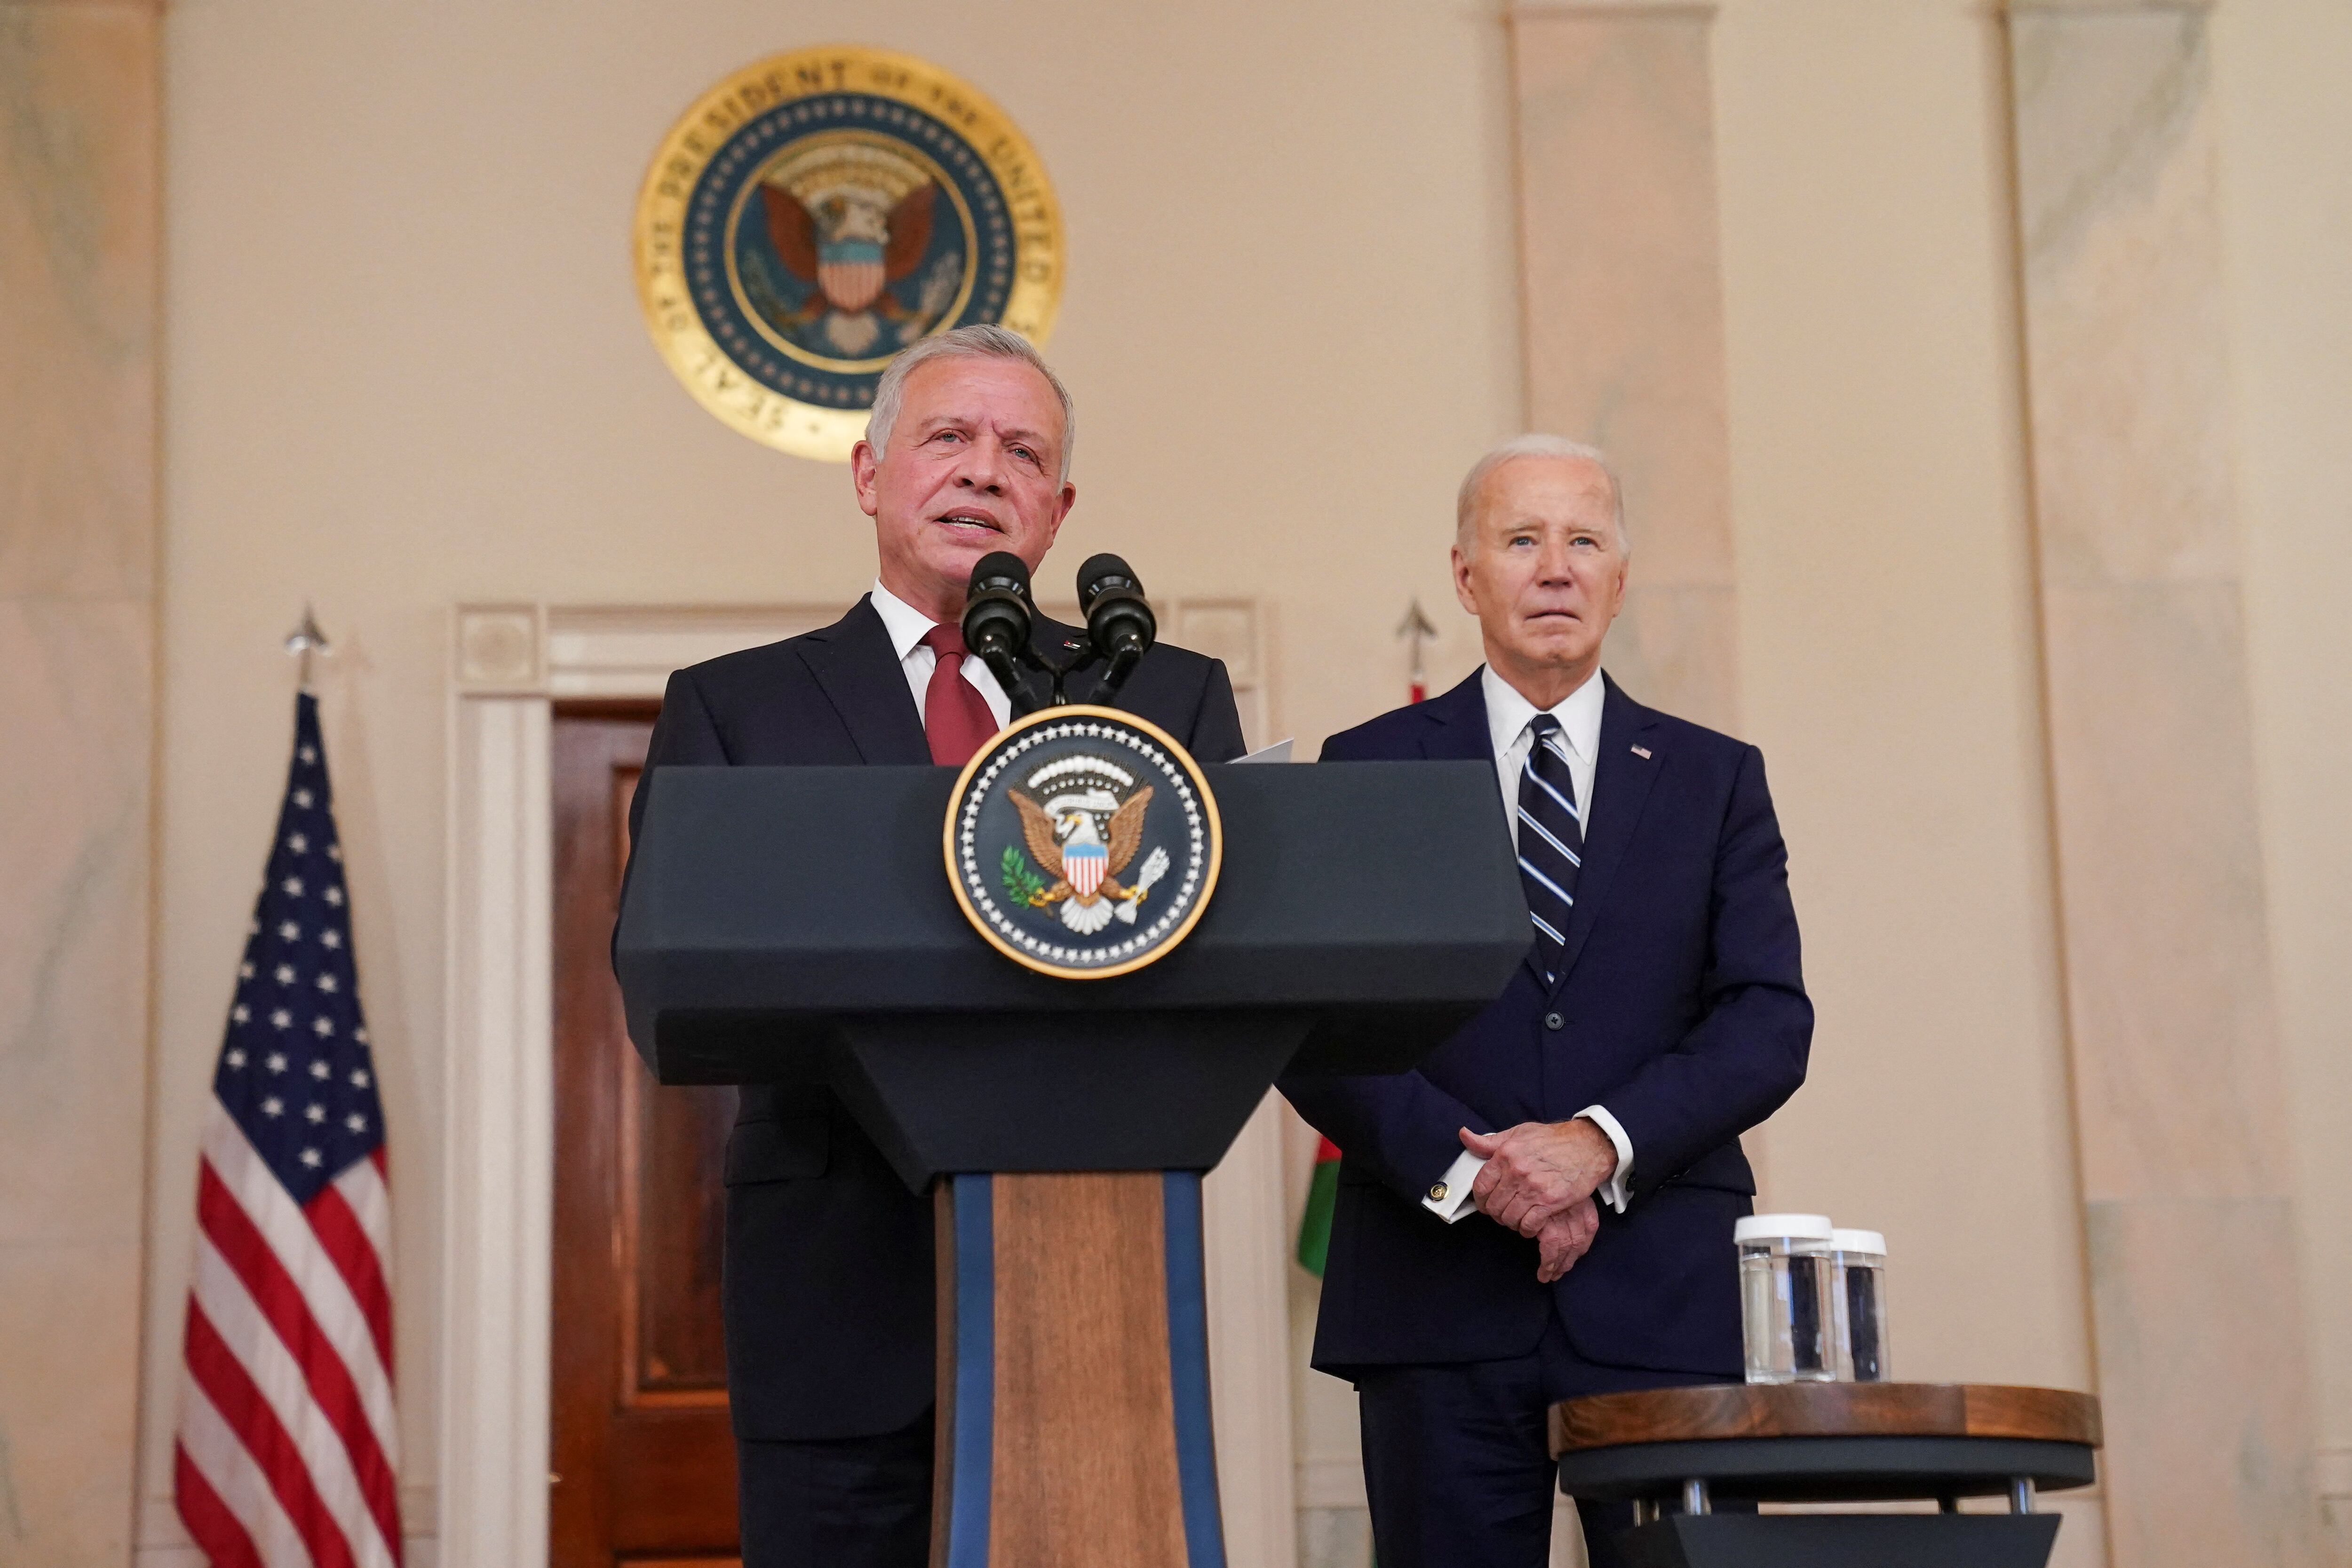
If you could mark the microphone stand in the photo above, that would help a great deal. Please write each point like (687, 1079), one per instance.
(1032, 680)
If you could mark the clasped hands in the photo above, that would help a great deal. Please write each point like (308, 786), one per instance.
(1538, 1180)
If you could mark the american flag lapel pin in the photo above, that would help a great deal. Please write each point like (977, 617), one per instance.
(1642, 753)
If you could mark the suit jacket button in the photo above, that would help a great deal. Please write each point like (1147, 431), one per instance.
(1437, 1193)
(1553, 1020)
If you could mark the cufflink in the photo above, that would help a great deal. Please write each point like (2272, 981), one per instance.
(1437, 1193)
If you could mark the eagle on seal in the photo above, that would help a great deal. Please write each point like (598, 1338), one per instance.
(1089, 894)
(849, 245)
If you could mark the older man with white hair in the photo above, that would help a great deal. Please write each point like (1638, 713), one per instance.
(1544, 1208)
(828, 1291)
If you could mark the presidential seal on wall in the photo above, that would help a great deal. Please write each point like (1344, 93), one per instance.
(816, 213)
(1082, 842)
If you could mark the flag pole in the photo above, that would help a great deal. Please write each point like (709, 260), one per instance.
(1415, 628)
(288, 1394)
(305, 640)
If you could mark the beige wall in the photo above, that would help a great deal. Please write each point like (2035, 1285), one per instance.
(1888, 660)
(404, 368)
(2286, 177)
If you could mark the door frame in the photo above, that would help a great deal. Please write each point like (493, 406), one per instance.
(509, 664)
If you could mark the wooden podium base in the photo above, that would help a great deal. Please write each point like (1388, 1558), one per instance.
(1073, 1374)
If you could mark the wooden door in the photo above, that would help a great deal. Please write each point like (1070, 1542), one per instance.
(642, 1464)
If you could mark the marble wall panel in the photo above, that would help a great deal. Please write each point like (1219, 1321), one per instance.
(66, 1431)
(1674, 645)
(2178, 1097)
(1622, 313)
(77, 254)
(73, 923)
(2116, 209)
(78, 126)
(2209, 1454)
(2176, 1076)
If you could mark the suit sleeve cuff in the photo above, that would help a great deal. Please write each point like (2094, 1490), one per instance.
(1449, 1199)
(1613, 1193)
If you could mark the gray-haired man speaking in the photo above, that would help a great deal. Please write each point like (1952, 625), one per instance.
(828, 1261)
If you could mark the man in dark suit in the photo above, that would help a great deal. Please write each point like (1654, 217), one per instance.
(1544, 1208)
(828, 1287)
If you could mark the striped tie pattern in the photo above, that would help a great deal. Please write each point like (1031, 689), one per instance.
(1551, 841)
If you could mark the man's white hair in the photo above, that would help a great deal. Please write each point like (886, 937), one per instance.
(1465, 504)
(982, 340)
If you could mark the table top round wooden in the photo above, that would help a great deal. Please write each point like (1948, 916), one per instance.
(1823, 1441)
(1713, 1411)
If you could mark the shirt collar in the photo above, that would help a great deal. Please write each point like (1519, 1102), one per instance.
(1578, 713)
(906, 624)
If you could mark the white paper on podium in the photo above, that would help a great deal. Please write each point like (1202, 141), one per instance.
(1278, 753)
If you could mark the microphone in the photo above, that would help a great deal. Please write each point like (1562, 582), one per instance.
(996, 618)
(1119, 621)
(996, 612)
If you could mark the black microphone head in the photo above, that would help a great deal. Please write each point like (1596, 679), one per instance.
(996, 610)
(1000, 571)
(1119, 622)
(1101, 572)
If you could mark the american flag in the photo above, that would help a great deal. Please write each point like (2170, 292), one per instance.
(288, 1448)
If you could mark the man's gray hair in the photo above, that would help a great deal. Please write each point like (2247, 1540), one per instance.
(982, 340)
(1534, 446)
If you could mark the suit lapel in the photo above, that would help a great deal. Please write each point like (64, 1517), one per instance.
(1621, 788)
(860, 675)
(1457, 726)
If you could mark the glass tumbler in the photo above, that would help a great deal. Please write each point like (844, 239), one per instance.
(1860, 1259)
(1786, 1307)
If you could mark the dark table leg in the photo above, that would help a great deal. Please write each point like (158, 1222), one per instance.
(1842, 1541)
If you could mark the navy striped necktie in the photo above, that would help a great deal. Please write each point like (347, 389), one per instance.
(1551, 841)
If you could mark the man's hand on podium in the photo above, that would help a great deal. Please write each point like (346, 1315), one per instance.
(1564, 1238)
(1538, 1171)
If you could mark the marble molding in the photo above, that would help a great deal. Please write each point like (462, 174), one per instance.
(1622, 315)
(2178, 1093)
(1620, 287)
(78, 214)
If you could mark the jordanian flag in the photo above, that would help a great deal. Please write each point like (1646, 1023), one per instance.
(1315, 1225)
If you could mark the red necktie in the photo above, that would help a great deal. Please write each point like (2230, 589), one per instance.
(956, 717)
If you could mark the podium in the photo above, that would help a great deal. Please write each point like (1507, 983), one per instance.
(796, 925)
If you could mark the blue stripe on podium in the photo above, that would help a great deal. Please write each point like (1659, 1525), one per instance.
(1188, 1369)
(975, 1370)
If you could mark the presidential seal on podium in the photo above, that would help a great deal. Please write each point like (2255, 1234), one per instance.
(1082, 842)
(815, 213)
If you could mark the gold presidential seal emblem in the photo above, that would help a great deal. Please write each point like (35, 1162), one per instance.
(1082, 842)
(813, 215)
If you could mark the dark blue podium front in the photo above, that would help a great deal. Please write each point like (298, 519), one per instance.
(796, 925)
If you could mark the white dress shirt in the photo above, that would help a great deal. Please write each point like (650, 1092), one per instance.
(1509, 718)
(908, 626)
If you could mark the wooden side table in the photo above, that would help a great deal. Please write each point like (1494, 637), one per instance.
(1676, 1452)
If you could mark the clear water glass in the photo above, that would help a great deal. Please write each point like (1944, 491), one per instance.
(1860, 1260)
(1787, 1300)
